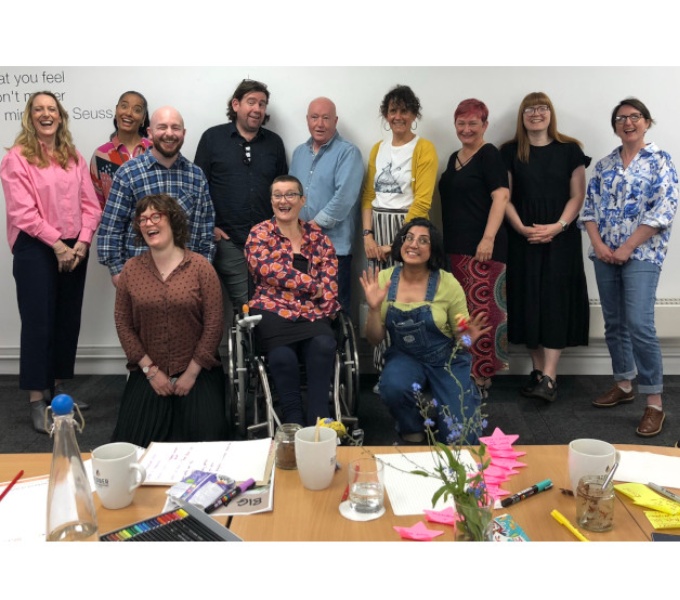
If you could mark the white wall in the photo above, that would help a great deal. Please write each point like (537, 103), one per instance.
(583, 97)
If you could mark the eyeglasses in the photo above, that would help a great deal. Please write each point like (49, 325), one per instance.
(541, 109)
(634, 118)
(154, 218)
(246, 155)
(288, 195)
(409, 238)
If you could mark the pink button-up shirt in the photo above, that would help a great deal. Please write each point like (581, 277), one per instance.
(48, 203)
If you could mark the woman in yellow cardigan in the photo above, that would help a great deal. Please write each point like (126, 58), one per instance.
(401, 175)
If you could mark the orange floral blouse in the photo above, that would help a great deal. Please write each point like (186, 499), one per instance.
(282, 289)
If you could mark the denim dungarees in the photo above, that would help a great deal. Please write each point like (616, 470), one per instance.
(419, 353)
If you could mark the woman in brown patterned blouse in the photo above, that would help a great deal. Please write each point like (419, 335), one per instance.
(169, 321)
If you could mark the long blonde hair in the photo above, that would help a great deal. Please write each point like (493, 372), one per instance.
(521, 137)
(31, 148)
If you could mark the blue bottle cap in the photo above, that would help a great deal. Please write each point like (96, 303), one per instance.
(62, 404)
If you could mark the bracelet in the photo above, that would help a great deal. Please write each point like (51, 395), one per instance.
(64, 251)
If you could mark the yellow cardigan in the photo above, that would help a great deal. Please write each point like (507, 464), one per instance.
(424, 167)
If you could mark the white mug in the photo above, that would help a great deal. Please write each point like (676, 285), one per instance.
(116, 473)
(316, 460)
(590, 457)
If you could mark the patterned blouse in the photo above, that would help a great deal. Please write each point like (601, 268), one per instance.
(620, 200)
(106, 160)
(282, 289)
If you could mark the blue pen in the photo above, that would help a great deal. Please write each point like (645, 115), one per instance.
(541, 486)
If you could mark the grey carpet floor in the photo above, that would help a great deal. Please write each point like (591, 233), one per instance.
(535, 421)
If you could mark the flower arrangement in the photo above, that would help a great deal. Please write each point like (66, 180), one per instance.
(469, 492)
(355, 438)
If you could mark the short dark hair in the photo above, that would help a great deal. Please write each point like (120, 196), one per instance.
(437, 258)
(247, 86)
(401, 96)
(287, 179)
(637, 105)
(168, 206)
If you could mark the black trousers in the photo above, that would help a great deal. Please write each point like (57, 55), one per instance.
(50, 305)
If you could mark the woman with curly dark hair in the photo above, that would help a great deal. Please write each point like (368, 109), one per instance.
(169, 320)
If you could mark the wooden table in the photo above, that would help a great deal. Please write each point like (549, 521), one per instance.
(303, 515)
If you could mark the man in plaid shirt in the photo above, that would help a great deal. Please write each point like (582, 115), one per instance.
(161, 170)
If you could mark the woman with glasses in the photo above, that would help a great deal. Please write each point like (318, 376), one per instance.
(169, 320)
(295, 271)
(546, 284)
(401, 175)
(631, 202)
(128, 140)
(474, 194)
(421, 306)
(52, 215)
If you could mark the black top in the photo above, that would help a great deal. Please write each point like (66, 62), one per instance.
(239, 187)
(466, 202)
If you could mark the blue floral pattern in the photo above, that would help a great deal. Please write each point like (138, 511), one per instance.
(620, 200)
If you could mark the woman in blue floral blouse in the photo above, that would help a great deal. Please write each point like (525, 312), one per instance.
(295, 270)
(629, 209)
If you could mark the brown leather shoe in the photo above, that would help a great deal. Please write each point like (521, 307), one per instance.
(651, 422)
(613, 397)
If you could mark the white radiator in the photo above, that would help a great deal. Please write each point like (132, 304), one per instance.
(667, 319)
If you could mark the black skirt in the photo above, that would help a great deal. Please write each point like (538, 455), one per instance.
(274, 331)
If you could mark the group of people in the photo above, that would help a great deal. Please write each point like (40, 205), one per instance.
(508, 262)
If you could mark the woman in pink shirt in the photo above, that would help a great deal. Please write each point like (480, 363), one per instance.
(52, 215)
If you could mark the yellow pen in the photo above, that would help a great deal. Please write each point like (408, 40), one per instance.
(562, 520)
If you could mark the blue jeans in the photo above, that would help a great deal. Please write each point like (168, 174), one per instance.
(628, 295)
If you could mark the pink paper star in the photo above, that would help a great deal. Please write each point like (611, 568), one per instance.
(504, 452)
(418, 532)
(499, 439)
(507, 463)
(448, 516)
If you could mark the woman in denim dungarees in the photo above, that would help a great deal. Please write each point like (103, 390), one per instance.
(417, 302)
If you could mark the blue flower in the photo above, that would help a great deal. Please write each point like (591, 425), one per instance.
(449, 422)
(435, 403)
(429, 423)
(485, 423)
(416, 387)
(452, 437)
(466, 340)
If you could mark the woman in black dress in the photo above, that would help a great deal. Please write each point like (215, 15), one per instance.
(547, 293)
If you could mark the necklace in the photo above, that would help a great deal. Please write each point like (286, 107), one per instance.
(460, 164)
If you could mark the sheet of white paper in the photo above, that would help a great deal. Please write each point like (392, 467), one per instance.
(168, 463)
(23, 512)
(411, 494)
(643, 467)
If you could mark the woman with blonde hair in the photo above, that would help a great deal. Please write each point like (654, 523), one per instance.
(546, 284)
(52, 215)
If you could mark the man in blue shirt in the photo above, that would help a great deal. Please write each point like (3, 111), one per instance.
(331, 170)
(161, 170)
(240, 159)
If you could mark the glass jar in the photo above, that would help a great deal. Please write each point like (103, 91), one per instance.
(594, 504)
(285, 445)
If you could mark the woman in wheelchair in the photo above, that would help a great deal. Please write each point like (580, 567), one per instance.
(295, 269)
(418, 304)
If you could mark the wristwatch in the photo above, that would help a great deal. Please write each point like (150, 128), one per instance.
(148, 368)
(564, 224)
(368, 232)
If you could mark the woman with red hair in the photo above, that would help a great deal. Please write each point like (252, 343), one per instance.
(474, 194)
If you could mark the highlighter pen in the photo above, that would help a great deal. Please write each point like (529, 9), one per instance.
(230, 495)
(664, 492)
(562, 520)
(541, 486)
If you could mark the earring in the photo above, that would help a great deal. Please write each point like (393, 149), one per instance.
(414, 126)
(386, 126)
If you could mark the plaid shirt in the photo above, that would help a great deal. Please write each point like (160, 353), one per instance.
(141, 177)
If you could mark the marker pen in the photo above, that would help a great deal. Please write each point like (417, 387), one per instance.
(541, 486)
(664, 492)
(226, 498)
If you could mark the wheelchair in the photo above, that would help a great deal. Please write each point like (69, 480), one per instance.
(253, 400)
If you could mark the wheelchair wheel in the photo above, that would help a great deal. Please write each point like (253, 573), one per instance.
(240, 383)
(349, 367)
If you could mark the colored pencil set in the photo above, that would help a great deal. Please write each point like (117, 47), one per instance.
(173, 526)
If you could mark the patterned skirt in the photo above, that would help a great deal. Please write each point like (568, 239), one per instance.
(484, 286)
(386, 225)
